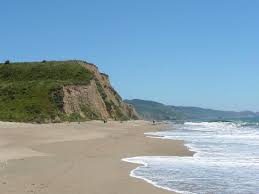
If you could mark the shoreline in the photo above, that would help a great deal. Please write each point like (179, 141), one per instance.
(141, 163)
(80, 158)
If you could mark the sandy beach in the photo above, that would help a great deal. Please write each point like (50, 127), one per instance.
(72, 158)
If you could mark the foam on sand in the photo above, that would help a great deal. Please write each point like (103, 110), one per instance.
(226, 159)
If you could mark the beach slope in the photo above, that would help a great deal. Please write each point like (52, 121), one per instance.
(78, 158)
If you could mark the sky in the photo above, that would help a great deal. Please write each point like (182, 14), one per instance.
(178, 52)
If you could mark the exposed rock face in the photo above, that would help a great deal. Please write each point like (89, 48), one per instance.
(98, 100)
(84, 100)
(57, 91)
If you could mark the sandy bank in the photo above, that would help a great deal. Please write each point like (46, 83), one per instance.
(78, 158)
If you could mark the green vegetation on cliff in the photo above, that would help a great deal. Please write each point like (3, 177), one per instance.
(56, 91)
(32, 92)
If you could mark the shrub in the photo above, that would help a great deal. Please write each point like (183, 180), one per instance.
(7, 62)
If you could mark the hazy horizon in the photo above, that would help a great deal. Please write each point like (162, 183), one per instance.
(201, 54)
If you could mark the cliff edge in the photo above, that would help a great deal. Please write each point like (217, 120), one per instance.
(57, 91)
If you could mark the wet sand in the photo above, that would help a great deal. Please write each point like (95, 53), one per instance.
(72, 158)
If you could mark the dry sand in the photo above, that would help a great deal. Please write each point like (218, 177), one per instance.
(72, 158)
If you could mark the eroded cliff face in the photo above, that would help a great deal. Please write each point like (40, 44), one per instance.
(97, 100)
(57, 91)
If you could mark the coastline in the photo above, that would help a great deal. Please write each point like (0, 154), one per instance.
(79, 158)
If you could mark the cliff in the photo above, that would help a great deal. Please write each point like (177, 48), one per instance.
(57, 91)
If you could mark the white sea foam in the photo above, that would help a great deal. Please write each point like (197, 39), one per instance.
(226, 159)
(141, 161)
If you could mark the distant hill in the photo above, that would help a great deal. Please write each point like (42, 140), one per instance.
(55, 91)
(151, 110)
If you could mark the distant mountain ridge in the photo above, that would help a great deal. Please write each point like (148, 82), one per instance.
(151, 110)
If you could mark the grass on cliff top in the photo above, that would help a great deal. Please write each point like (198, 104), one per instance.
(32, 92)
(68, 72)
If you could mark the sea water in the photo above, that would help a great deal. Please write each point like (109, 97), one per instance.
(226, 159)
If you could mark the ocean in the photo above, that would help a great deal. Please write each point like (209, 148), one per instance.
(226, 159)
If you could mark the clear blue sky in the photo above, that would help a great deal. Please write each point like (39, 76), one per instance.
(181, 52)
